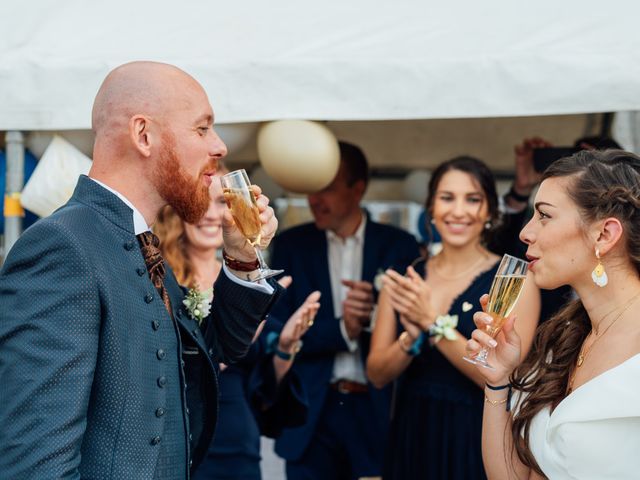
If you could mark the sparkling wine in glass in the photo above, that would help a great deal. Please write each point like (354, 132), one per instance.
(240, 199)
(505, 291)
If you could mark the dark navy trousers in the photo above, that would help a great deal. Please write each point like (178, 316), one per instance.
(346, 443)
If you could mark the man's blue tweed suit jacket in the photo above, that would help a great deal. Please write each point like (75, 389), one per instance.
(85, 340)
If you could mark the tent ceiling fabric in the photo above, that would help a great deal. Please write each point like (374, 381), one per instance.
(330, 60)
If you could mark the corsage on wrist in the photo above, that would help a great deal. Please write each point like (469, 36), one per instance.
(444, 326)
(198, 303)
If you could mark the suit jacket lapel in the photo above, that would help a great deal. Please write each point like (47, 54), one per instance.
(180, 313)
(370, 252)
(320, 269)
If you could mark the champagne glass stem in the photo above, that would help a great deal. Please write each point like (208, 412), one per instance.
(263, 264)
(482, 356)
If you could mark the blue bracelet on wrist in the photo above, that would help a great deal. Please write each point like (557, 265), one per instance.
(283, 355)
(502, 387)
(272, 347)
(416, 348)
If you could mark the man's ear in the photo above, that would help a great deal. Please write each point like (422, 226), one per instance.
(360, 187)
(608, 234)
(140, 134)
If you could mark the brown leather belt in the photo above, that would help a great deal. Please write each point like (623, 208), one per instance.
(347, 386)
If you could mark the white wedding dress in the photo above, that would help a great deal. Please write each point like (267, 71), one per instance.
(594, 433)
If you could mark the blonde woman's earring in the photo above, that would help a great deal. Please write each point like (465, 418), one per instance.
(599, 275)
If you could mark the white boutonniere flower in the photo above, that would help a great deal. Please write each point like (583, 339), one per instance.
(444, 326)
(377, 280)
(198, 303)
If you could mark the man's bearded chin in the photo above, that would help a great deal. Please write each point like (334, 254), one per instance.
(188, 197)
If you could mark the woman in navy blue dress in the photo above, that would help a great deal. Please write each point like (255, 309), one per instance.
(259, 394)
(423, 322)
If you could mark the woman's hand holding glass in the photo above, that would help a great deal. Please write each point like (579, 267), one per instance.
(410, 296)
(503, 350)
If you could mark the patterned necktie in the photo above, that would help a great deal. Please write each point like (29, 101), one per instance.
(149, 244)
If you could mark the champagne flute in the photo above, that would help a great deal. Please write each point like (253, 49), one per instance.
(505, 291)
(240, 199)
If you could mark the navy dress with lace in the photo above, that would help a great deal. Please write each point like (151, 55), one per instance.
(436, 424)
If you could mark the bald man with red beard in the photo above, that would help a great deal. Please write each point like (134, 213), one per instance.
(105, 374)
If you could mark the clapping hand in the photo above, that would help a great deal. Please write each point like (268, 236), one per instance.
(357, 307)
(410, 296)
(298, 323)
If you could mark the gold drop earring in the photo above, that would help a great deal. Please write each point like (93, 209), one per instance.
(599, 276)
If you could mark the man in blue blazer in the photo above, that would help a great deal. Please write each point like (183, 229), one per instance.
(339, 254)
(104, 373)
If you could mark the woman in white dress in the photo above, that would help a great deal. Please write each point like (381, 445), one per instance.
(576, 408)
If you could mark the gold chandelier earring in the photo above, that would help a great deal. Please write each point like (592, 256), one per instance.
(599, 276)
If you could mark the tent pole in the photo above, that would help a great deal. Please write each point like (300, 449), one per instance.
(13, 211)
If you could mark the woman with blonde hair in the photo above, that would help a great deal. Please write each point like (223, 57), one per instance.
(258, 393)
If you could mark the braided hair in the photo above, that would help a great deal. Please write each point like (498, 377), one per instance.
(602, 184)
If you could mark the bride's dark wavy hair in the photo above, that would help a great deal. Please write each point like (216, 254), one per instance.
(602, 184)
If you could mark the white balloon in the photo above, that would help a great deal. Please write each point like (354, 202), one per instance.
(416, 185)
(236, 136)
(300, 155)
(268, 185)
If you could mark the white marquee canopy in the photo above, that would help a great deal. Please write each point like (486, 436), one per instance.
(328, 60)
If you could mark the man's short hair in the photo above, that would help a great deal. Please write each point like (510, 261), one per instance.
(354, 162)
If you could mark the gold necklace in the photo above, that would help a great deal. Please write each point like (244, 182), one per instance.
(460, 274)
(584, 351)
(595, 328)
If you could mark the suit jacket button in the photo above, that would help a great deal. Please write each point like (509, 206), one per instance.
(190, 437)
(148, 298)
(159, 412)
(211, 352)
(155, 440)
(129, 245)
(160, 353)
(162, 381)
(190, 463)
(141, 271)
(187, 410)
(155, 325)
